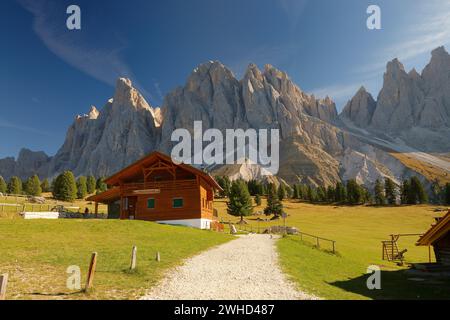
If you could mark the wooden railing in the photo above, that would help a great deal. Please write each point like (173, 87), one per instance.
(318, 239)
(161, 185)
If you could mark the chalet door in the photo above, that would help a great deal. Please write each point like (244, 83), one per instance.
(131, 207)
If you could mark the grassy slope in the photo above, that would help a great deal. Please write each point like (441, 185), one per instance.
(37, 253)
(358, 232)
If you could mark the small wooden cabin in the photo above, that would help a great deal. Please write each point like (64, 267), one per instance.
(156, 189)
(438, 236)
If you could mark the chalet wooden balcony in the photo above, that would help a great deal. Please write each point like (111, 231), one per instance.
(156, 187)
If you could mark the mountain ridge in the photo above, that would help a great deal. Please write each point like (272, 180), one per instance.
(318, 146)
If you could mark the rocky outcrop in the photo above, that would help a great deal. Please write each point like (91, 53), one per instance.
(360, 108)
(412, 107)
(27, 164)
(105, 141)
(313, 149)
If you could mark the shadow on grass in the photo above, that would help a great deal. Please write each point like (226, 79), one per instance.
(397, 285)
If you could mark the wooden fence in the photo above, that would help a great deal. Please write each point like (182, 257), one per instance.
(261, 229)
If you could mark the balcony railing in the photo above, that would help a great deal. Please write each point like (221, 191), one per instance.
(160, 185)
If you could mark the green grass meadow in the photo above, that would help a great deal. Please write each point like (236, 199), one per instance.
(37, 253)
(358, 232)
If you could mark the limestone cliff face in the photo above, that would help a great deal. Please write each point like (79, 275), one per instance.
(105, 141)
(410, 106)
(27, 164)
(313, 149)
(360, 108)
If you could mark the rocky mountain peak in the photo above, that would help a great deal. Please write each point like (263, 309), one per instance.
(439, 53)
(93, 113)
(394, 69)
(360, 108)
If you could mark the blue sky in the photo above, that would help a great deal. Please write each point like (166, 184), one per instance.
(50, 74)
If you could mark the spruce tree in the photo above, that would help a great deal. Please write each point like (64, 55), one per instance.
(15, 186)
(101, 185)
(379, 193)
(91, 184)
(295, 195)
(240, 204)
(447, 193)
(321, 194)
(45, 185)
(330, 194)
(274, 205)
(340, 193)
(420, 196)
(65, 188)
(3, 186)
(405, 192)
(258, 200)
(390, 191)
(82, 187)
(281, 192)
(354, 192)
(311, 194)
(32, 186)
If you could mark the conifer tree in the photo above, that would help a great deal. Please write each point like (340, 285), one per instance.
(65, 187)
(330, 194)
(101, 185)
(274, 205)
(417, 189)
(405, 192)
(340, 193)
(447, 194)
(390, 191)
(45, 185)
(82, 187)
(240, 204)
(354, 192)
(91, 184)
(258, 200)
(281, 192)
(379, 193)
(32, 186)
(3, 186)
(295, 194)
(15, 186)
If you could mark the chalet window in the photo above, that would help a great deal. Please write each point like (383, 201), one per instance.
(178, 203)
(151, 203)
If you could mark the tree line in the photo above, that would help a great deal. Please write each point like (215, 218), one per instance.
(385, 192)
(65, 187)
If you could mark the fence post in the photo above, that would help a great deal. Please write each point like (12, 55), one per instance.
(334, 249)
(3, 284)
(133, 258)
(318, 244)
(92, 266)
(158, 257)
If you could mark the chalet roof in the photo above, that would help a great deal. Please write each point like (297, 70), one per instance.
(115, 179)
(106, 196)
(436, 232)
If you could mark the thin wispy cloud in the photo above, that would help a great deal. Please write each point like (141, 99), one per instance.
(293, 10)
(102, 63)
(429, 29)
(4, 124)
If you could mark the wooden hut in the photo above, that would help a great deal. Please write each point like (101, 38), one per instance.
(438, 236)
(156, 189)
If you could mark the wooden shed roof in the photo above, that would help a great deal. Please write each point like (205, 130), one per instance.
(436, 232)
(106, 196)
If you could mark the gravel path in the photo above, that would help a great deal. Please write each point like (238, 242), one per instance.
(245, 268)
